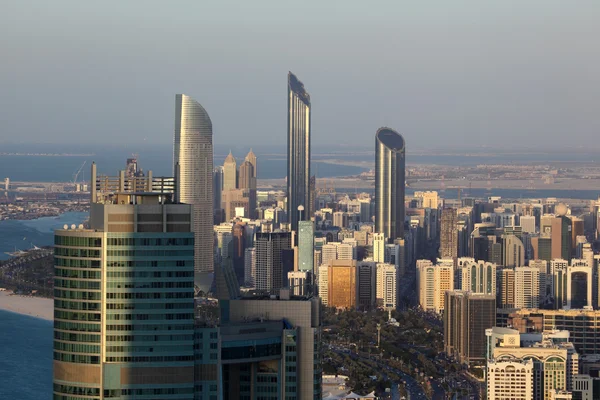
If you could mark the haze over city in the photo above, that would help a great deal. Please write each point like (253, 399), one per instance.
(450, 74)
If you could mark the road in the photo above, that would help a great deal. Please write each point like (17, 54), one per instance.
(412, 386)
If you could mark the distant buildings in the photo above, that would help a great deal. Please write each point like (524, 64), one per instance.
(448, 234)
(390, 173)
(193, 169)
(298, 155)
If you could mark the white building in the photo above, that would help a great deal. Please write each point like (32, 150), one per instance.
(387, 286)
(378, 247)
(510, 380)
(527, 287)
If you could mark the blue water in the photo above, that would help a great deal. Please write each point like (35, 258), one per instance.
(25, 357)
(22, 235)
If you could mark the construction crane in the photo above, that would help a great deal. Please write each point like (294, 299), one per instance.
(76, 174)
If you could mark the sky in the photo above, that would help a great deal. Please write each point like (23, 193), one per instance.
(445, 74)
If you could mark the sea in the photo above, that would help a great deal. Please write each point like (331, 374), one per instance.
(22, 235)
(25, 357)
(25, 341)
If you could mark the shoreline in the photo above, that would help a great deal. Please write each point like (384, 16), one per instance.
(37, 307)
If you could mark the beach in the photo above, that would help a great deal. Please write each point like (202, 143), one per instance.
(33, 306)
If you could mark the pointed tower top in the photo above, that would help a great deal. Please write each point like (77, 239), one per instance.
(230, 158)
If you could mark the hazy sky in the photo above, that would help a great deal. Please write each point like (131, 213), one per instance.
(443, 73)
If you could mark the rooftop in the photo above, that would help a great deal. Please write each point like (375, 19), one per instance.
(298, 88)
(391, 139)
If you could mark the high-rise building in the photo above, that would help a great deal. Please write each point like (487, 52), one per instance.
(261, 349)
(111, 289)
(466, 317)
(250, 266)
(366, 275)
(300, 282)
(527, 223)
(306, 240)
(478, 277)
(432, 283)
(298, 156)
(341, 281)
(448, 234)
(269, 259)
(561, 237)
(246, 179)
(230, 173)
(217, 191)
(379, 247)
(429, 199)
(513, 253)
(507, 287)
(251, 158)
(527, 287)
(193, 168)
(390, 173)
(387, 286)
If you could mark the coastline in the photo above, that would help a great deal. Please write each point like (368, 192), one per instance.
(37, 307)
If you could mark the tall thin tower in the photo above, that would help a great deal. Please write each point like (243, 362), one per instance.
(193, 167)
(389, 183)
(298, 168)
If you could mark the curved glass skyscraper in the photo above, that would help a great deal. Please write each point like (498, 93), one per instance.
(389, 183)
(298, 169)
(193, 167)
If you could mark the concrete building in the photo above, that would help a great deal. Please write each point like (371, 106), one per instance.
(527, 223)
(193, 167)
(513, 254)
(527, 287)
(478, 277)
(390, 171)
(581, 324)
(433, 281)
(555, 360)
(428, 199)
(379, 247)
(137, 257)
(509, 380)
(448, 234)
(306, 246)
(230, 173)
(466, 317)
(387, 286)
(507, 287)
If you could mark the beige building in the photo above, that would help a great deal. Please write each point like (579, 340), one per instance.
(555, 360)
(478, 276)
(527, 287)
(432, 283)
(510, 380)
(507, 288)
(429, 199)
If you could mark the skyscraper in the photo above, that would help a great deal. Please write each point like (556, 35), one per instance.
(251, 158)
(229, 173)
(306, 238)
(217, 192)
(193, 168)
(269, 259)
(298, 168)
(389, 183)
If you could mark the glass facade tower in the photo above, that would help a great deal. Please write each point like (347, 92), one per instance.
(193, 168)
(389, 183)
(298, 168)
(124, 304)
